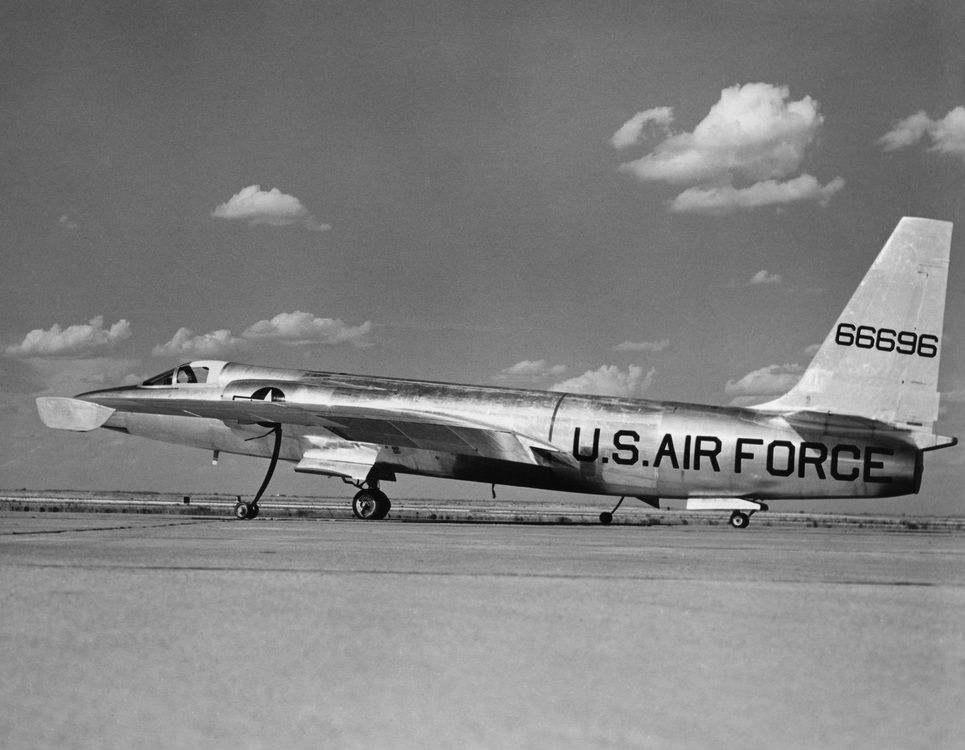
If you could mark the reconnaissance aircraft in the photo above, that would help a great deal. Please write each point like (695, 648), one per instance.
(856, 425)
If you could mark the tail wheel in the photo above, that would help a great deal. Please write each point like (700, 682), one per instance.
(371, 505)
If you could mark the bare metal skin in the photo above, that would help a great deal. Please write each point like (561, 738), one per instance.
(856, 425)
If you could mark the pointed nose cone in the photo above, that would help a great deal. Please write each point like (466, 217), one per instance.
(62, 413)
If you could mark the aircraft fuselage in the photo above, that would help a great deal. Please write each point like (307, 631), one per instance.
(583, 443)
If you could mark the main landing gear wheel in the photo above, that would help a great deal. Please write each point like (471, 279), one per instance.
(739, 520)
(371, 505)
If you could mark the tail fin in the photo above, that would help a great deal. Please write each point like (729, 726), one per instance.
(880, 360)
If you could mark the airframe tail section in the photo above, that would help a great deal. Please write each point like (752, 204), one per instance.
(880, 360)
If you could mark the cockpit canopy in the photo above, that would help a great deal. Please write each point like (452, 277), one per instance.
(198, 372)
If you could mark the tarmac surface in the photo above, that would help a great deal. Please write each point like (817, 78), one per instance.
(155, 631)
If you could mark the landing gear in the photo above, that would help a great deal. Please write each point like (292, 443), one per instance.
(371, 505)
(606, 517)
(247, 511)
(739, 520)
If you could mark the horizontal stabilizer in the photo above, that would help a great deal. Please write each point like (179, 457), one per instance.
(72, 414)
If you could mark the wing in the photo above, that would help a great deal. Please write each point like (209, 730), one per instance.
(399, 428)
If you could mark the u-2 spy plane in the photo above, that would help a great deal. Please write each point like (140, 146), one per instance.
(857, 424)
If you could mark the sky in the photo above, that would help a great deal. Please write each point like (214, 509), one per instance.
(664, 200)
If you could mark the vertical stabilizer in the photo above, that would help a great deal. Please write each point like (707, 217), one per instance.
(880, 361)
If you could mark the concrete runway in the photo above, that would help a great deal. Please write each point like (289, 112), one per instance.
(172, 632)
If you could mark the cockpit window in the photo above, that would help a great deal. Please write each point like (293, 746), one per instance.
(183, 375)
(163, 379)
(192, 374)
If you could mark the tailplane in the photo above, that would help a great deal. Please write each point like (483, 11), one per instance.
(880, 361)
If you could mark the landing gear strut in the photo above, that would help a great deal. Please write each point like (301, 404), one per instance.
(247, 511)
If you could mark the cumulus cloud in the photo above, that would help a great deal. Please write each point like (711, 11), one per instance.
(947, 134)
(754, 134)
(609, 380)
(642, 346)
(726, 198)
(530, 370)
(272, 207)
(186, 345)
(764, 277)
(763, 384)
(302, 328)
(293, 329)
(73, 341)
(632, 129)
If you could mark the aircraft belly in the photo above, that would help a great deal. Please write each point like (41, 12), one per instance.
(467, 468)
(210, 434)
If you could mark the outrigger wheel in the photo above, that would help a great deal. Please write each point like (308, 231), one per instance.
(371, 505)
(606, 517)
(247, 511)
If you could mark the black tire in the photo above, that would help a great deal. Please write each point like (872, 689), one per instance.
(385, 505)
(606, 518)
(739, 520)
(371, 505)
(242, 511)
(253, 511)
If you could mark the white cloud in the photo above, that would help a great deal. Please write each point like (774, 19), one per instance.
(726, 198)
(609, 380)
(302, 328)
(188, 346)
(531, 370)
(630, 132)
(763, 384)
(763, 277)
(947, 134)
(273, 208)
(66, 223)
(754, 130)
(73, 341)
(642, 346)
(754, 133)
(907, 132)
